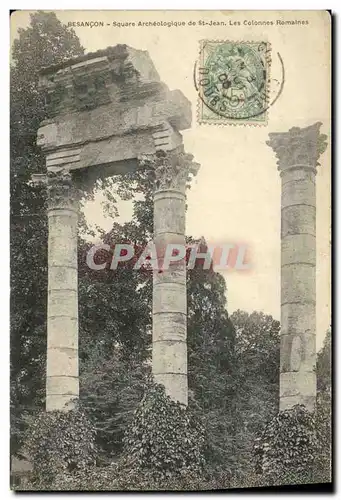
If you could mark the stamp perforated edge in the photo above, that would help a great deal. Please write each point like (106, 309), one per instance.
(227, 121)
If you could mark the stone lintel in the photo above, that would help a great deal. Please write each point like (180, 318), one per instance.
(78, 128)
(110, 100)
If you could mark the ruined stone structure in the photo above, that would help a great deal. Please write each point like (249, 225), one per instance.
(169, 282)
(298, 152)
(106, 112)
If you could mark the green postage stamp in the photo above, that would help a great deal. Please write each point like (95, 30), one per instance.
(232, 80)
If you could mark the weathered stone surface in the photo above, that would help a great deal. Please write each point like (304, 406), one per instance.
(298, 152)
(297, 193)
(298, 219)
(299, 383)
(60, 402)
(62, 361)
(176, 386)
(59, 328)
(298, 174)
(175, 273)
(62, 302)
(107, 112)
(62, 307)
(169, 356)
(171, 210)
(109, 108)
(298, 351)
(62, 386)
(298, 318)
(169, 326)
(298, 248)
(298, 388)
(298, 283)
(169, 291)
(169, 297)
(62, 277)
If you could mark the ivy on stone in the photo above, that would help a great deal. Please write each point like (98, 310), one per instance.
(60, 442)
(286, 450)
(164, 437)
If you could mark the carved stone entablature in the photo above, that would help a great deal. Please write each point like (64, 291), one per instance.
(116, 74)
(61, 190)
(300, 147)
(173, 169)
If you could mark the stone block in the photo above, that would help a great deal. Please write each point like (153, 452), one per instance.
(170, 357)
(62, 246)
(59, 402)
(300, 192)
(62, 361)
(298, 283)
(62, 303)
(300, 248)
(298, 384)
(176, 386)
(62, 386)
(62, 278)
(298, 318)
(169, 326)
(298, 352)
(169, 215)
(298, 219)
(62, 331)
(169, 297)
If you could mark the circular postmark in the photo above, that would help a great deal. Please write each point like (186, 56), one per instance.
(233, 81)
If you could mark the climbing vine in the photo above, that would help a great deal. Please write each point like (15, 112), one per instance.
(60, 442)
(286, 450)
(164, 437)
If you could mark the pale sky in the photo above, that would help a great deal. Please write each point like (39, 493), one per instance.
(236, 194)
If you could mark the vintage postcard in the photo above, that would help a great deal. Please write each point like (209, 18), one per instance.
(170, 250)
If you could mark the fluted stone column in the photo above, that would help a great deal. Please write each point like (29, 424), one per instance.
(169, 362)
(62, 382)
(298, 151)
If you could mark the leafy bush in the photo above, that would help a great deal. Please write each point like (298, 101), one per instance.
(111, 388)
(286, 451)
(117, 477)
(322, 464)
(59, 442)
(164, 437)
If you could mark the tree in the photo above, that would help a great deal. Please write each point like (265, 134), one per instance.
(324, 364)
(257, 378)
(324, 410)
(46, 41)
(111, 388)
(115, 307)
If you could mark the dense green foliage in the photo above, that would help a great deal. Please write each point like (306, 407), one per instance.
(46, 41)
(164, 437)
(58, 443)
(233, 362)
(111, 387)
(286, 449)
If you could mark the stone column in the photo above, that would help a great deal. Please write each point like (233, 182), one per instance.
(169, 364)
(298, 151)
(62, 382)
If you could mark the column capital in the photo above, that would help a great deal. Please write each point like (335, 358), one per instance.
(61, 190)
(173, 169)
(299, 147)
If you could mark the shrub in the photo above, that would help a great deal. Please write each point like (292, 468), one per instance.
(164, 437)
(285, 452)
(59, 442)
